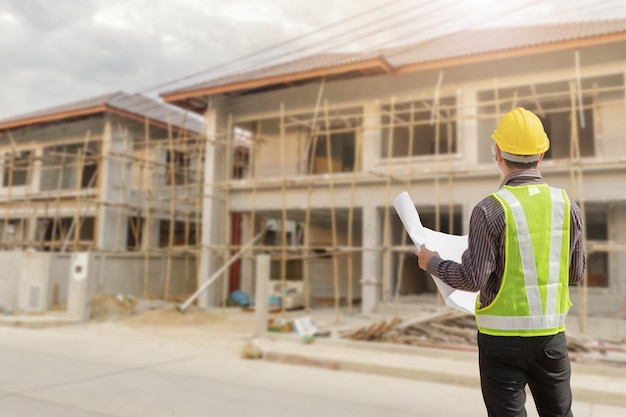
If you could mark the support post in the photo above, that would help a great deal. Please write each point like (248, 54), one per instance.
(371, 259)
(211, 208)
(260, 294)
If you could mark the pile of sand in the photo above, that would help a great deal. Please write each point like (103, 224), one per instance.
(112, 307)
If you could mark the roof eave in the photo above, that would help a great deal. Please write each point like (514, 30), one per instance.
(513, 53)
(52, 117)
(276, 80)
(152, 122)
(30, 121)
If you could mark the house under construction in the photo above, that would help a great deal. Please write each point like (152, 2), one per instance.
(334, 137)
(117, 177)
(309, 154)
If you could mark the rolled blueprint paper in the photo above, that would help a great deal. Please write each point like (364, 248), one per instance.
(450, 247)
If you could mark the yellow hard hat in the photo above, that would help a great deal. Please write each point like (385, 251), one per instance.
(520, 132)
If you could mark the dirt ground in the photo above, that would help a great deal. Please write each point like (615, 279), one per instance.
(228, 329)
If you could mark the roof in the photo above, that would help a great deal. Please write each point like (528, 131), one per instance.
(487, 41)
(134, 106)
(448, 50)
(312, 62)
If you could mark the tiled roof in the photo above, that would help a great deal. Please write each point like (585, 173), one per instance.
(308, 63)
(455, 45)
(475, 42)
(135, 104)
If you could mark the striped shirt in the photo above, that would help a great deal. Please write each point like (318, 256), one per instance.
(482, 265)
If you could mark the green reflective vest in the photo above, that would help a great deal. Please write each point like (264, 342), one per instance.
(533, 299)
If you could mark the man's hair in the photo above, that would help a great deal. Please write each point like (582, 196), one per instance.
(521, 165)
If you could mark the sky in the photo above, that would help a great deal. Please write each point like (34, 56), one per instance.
(56, 52)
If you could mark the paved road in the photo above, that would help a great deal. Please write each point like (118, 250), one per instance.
(101, 371)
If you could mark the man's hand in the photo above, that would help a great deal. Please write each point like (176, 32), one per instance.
(424, 255)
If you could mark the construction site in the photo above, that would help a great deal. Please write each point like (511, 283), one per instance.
(301, 160)
(115, 178)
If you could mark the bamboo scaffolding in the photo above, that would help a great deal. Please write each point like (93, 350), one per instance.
(576, 183)
(5, 227)
(180, 201)
(172, 220)
(253, 217)
(350, 232)
(186, 165)
(333, 214)
(146, 243)
(404, 235)
(386, 255)
(307, 218)
(122, 190)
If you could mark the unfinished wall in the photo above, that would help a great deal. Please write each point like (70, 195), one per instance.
(58, 280)
(9, 281)
(126, 274)
(269, 155)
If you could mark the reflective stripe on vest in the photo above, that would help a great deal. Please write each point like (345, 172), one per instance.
(537, 320)
(522, 323)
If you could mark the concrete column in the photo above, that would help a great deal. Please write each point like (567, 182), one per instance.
(78, 305)
(31, 235)
(261, 293)
(247, 265)
(212, 208)
(371, 259)
(372, 136)
(150, 239)
(115, 175)
(3, 165)
(616, 260)
(467, 127)
(35, 183)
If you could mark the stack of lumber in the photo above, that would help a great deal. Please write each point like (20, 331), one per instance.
(442, 327)
(447, 328)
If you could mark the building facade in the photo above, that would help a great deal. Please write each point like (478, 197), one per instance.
(334, 137)
(115, 177)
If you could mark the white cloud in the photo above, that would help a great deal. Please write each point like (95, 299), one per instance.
(7, 18)
(64, 50)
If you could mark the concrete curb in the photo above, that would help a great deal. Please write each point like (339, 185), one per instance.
(591, 383)
(37, 322)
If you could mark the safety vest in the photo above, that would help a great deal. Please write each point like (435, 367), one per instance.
(533, 299)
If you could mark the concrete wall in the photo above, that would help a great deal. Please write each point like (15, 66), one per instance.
(268, 152)
(124, 274)
(36, 281)
(24, 281)
(58, 286)
(9, 280)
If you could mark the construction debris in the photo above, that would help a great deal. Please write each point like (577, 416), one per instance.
(446, 328)
(112, 307)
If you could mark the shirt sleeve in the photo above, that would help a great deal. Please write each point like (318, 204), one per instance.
(478, 260)
(577, 260)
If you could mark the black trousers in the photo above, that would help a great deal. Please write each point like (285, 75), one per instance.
(508, 363)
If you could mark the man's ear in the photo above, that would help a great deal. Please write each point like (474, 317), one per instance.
(541, 157)
(498, 155)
